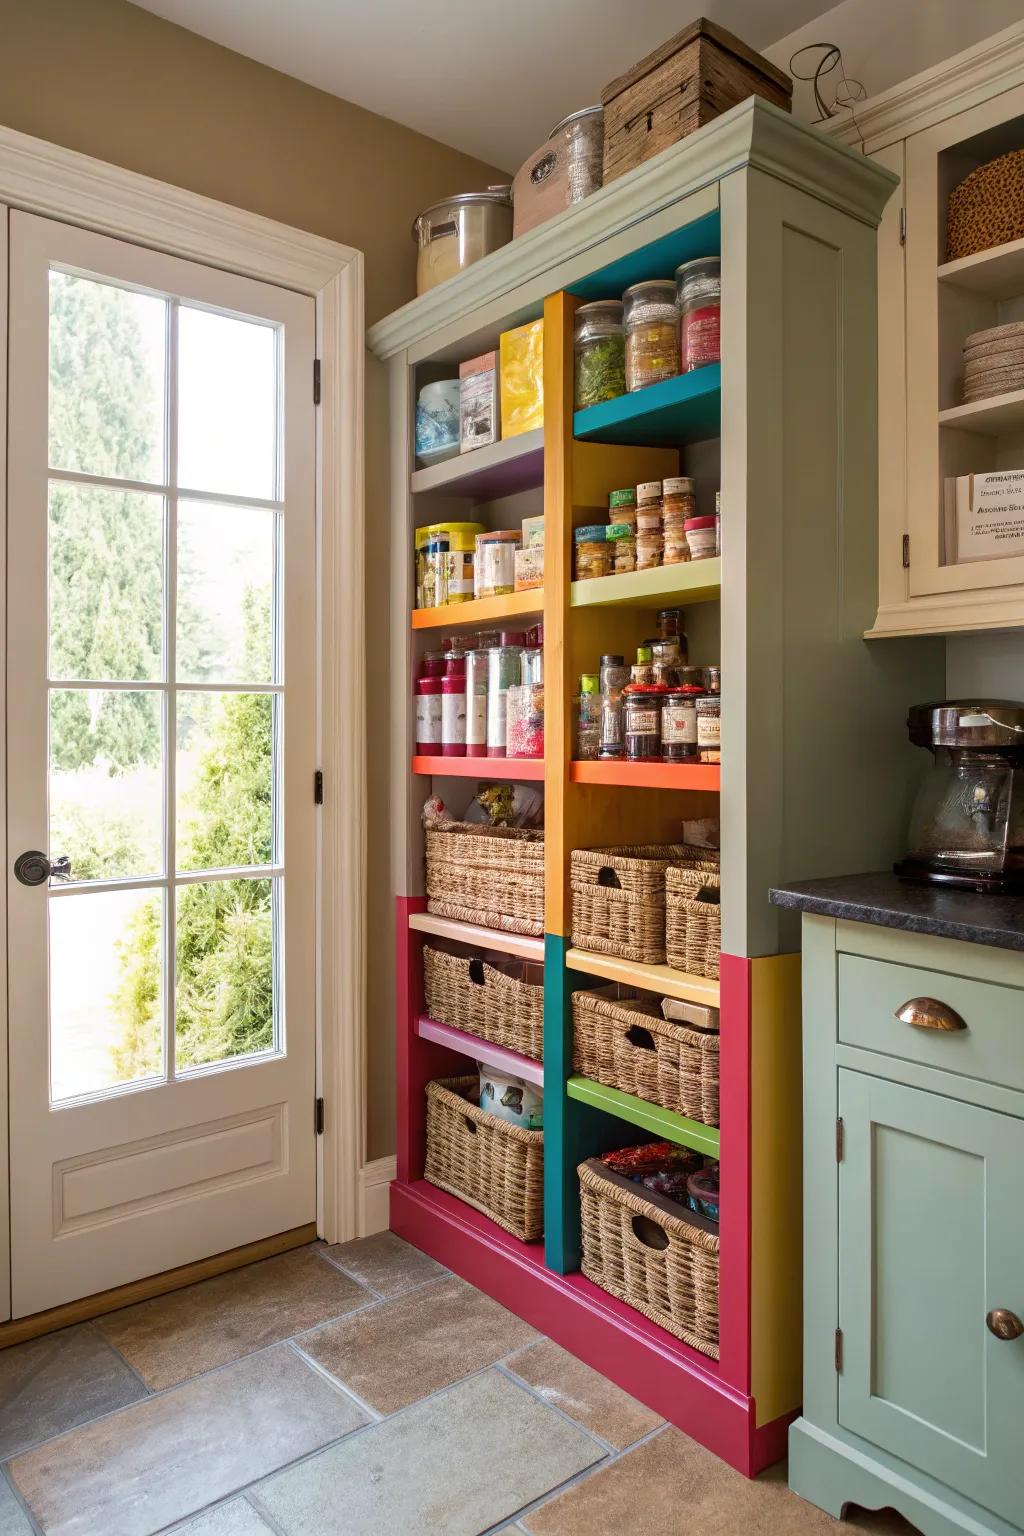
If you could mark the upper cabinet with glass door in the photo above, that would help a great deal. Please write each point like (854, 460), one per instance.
(951, 347)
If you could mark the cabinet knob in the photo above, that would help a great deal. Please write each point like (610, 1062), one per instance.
(1003, 1324)
(929, 1013)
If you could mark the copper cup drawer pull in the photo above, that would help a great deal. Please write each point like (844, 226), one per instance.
(929, 1013)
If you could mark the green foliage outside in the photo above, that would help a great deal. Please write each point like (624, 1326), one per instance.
(106, 622)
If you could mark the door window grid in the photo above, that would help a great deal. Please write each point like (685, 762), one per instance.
(169, 689)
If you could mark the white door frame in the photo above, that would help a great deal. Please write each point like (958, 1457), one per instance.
(42, 178)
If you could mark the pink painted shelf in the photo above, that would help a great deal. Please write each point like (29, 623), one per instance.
(481, 1050)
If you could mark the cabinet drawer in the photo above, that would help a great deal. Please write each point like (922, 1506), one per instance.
(990, 1046)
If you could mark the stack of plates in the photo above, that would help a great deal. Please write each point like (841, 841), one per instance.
(994, 361)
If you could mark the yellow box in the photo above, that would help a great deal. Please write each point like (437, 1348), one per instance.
(522, 379)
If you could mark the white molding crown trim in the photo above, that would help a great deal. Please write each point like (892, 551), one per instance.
(374, 1204)
(991, 66)
(753, 134)
(61, 184)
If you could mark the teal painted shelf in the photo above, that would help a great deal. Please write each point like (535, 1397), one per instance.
(650, 1117)
(685, 409)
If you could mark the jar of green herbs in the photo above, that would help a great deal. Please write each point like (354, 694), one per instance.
(600, 347)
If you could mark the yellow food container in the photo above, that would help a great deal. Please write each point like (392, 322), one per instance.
(445, 576)
(522, 378)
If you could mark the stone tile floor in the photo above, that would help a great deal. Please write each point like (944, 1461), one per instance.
(351, 1391)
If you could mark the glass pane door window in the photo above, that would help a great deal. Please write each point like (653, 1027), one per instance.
(165, 683)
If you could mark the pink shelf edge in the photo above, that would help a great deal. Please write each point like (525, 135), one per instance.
(481, 1050)
(641, 1358)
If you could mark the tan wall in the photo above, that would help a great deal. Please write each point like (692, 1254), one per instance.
(110, 80)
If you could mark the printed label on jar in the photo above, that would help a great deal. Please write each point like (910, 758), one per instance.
(453, 719)
(709, 730)
(679, 726)
(702, 337)
(643, 722)
(428, 719)
(476, 721)
(459, 576)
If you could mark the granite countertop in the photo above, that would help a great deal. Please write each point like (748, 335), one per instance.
(889, 902)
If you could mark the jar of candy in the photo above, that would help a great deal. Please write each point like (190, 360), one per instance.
(642, 723)
(476, 702)
(679, 725)
(600, 352)
(453, 715)
(593, 552)
(587, 721)
(651, 319)
(699, 291)
(504, 665)
(525, 719)
(709, 728)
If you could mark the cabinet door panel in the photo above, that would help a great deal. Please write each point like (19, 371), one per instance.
(931, 1240)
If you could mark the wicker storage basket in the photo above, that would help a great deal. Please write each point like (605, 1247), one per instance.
(623, 1042)
(488, 875)
(618, 897)
(469, 994)
(693, 923)
(645, 1250)
(987, 208)
(495, 1167)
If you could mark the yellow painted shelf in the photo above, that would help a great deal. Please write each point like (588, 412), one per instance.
(651, 978)
(695, 581)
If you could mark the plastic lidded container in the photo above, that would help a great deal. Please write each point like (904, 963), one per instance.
(651, 320)
(444, 563)
(593, 552)
(428, 716)
(599, 343)
(622, 506)
(587, 723)
(476, 702)
(702, 537)
(622, 541)
(699, 288)
(525, 719)
(453, 715)
(495, 567)
(504, 667)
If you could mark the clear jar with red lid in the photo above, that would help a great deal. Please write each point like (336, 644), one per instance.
(453, 716)
(428, 716)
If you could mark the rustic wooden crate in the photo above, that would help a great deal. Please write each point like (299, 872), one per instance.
(698, 74)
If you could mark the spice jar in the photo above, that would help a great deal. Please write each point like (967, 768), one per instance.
(428, 715)
(504, 665)
(667, 662)
(600, 349)
(693, 677)
(642, 723)
(476, 702)
(651, 320)
(701, 537)
(669, 622)
(712, 679)
(593, 552)
(642, 671)
(525, 719)
(622, 542)
(709, 728)
(679, 725)
(587, 719)
(699, 286)
(495, 567)
(453, 715)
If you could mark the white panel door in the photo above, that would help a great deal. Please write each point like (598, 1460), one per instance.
(161, 751)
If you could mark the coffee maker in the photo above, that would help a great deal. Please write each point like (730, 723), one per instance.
(967, 825)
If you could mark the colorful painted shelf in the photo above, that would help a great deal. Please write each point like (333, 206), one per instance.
(502, 468)
(677, 411)
(663, 979)
(705, 776)
(481, 611)
(481, 1050)
(695, 581)
(477, 937)
(514, 769)
(663, 1123)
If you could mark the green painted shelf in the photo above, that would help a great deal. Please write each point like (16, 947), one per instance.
(650, 1117)
(685, 409)
(692, 581)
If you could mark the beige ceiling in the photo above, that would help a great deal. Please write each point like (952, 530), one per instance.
(490, 77)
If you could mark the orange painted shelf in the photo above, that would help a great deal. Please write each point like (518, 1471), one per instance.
(481, 610)
(705, 776)
(515, 769)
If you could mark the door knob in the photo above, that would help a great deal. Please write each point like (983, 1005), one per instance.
(1003, 1324)
(34, 868)
(929, 1013)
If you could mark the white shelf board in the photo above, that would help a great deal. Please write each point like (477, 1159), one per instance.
(998, 273)
(480, 938)
(992, 417)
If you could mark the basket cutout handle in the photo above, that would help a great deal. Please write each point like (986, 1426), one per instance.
(476, 972)
(470, 1124)
(639, 1037)
(606, 876)
(712, 894)
(649, 1233)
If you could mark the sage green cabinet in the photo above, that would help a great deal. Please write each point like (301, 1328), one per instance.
(913, 1230)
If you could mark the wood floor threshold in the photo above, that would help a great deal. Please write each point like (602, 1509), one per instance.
(87, 1307)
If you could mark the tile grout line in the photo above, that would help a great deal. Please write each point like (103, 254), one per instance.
(604, 1445)
(21, 1502)
(373, 1414)
(92, 1325)
(574, 1482)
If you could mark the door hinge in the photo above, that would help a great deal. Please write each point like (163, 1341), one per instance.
(903, 226)
(839, 1138)
(906, 551)
(839, 1350)
(316, 381)
(318, 787)
(318, 1117)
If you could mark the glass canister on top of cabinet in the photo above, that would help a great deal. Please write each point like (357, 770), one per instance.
(651, 320)
(600, 352)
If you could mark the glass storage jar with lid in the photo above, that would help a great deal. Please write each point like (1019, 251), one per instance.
(651, 319)
(593, 552)
(600, 352)
(700, 297)
(587, 723)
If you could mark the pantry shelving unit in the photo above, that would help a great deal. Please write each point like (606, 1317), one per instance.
(815, 770)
